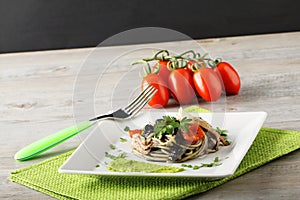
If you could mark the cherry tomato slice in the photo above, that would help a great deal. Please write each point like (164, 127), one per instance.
(135, 131)
(194, 135)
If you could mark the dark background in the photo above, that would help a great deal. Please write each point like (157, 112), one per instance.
(29, 25)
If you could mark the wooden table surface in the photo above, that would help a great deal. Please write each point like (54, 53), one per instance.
(37, 98)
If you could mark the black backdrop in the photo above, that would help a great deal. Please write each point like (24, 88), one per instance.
(27, 25)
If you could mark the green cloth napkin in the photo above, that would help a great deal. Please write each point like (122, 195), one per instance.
(269, 144)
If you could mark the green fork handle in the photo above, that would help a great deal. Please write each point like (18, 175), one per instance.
(50, 141)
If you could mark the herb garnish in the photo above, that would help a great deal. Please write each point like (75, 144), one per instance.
(121, 155)
(188, 166)
(196, 167)
(113, 147)
(126, 128)
(184, 124)
(223, 132)
(123, 139)
(213, 164)
(168, 124)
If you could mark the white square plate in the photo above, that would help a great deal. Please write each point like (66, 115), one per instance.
(89, 157)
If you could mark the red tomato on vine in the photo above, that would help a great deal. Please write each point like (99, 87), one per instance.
(161, 98)
(229, 76)
(163, 71)
(181, 86)
(207, 84)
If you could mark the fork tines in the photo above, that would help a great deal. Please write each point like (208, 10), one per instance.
(140, 101)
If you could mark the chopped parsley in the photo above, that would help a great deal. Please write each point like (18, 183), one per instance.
(98, 165)
(222, 132)
(196, 167)
(216, 162)
(126, 128)
(123, 139)
(113, 147)
(113, 157)
(216, 159)
(185, 165)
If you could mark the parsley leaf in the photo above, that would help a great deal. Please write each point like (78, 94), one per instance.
(185, 165)
(113, 157)
(184, 124)
(221, 132)
(216, 159)
(216, 162)
(213, 164)
(168, 125)
(126, 128)
(108, 155)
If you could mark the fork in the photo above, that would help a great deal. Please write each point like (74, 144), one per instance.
(54, 139)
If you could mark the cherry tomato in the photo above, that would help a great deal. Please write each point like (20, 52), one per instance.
(181, 86)
(189, 66)
(135, 131)
(230, 77)
(207, 84)
(164, 72)
(161, 98)
(194, 135)
(200, 63)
